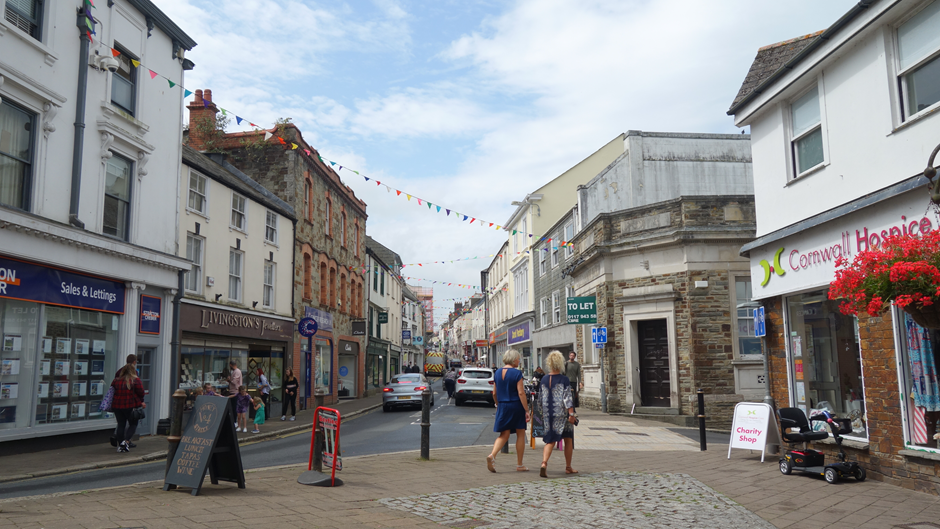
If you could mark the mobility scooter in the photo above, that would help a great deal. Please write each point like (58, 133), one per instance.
(813, 461)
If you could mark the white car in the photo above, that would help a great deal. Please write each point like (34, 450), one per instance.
(474, 383)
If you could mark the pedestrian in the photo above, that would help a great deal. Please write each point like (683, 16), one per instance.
(264, 388)
(208, 390)
(557, 412)
(512, 409)
(128, 396)
(290, 395)
(450, 382)
(234, 383)
(575, 377)
(538, 374)
(259, 413)
(242, 401)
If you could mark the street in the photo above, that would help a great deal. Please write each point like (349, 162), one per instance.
(376, 432)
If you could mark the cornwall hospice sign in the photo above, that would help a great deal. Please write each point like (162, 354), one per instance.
(27, 281)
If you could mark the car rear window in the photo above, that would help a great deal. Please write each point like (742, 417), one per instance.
(406, 379)
(477, 374)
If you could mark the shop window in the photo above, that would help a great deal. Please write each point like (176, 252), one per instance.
(197, 193)
(117, 197)
(194, 253)
(26, 15)
(124, 83)
(921, 395)
(16, 154)
(825, 359)
(235, 261)
(268, 294)
(919, 60)
(746, 345)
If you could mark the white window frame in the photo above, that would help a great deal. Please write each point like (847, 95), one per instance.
(556, 307)
(205, 194)
(269, 227)
(735, 334)
(40, 20)
(554, 251)
(268, 278)
(198, 264)
(793, 139)
(236, 275)
(542, 258)
(543, 311)
(569, 292)
(901, 73)
(236, 212)
(521, 289)
(569, 250)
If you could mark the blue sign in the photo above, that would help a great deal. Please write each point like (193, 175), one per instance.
(343, 371)
(518, 334)
(149, 314)
(598, 334)
(307, 327)
(324, 319)
(760, 327)
(418, 339)
(33, 282)
(406, 335)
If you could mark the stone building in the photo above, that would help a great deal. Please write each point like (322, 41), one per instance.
(552, 286)
(328, 245)
(658, 247)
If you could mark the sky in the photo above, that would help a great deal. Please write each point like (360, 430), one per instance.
(474, 104)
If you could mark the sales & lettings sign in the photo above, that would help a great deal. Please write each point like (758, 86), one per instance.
(582, 309)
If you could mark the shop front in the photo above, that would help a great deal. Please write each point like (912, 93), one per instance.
(213, 336)
(348, 369)
(519, 337)
(879, 372)
(376, 365)
(64, 336)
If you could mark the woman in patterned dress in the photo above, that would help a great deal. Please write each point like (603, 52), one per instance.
(557, 411)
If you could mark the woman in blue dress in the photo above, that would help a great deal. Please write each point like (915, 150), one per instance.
(512, 409)
(557, 412)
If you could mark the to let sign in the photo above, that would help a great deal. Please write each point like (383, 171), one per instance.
(582, 310)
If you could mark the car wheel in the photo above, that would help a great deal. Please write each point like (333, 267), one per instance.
(386, 408)
(785, 467)
(831, 476)
(457, 402)
(859, 474)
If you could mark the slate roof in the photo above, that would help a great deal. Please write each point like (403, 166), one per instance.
(387, 256)
(769, 60)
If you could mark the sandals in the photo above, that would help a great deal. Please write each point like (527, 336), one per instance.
(521, 468)
(569, 470)
(491, 464)
(543, 470)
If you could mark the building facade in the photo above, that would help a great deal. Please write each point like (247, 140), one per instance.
(658, 253)
(813, 105)
(88, 235)
(552, 287)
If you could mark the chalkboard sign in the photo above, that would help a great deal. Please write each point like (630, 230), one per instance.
(209, 443)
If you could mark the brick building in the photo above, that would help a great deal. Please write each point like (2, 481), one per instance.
(329, 241)
(658, 248)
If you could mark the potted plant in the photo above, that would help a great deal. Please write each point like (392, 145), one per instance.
(902, 270)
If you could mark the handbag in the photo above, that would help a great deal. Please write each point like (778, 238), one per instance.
(107, 400)
(138, 413)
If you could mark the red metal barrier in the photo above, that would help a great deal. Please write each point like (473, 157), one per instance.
(313, 436)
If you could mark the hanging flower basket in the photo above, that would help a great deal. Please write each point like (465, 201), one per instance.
(903, 270)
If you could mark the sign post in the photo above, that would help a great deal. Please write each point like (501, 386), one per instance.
(750, 425)
(307, 327)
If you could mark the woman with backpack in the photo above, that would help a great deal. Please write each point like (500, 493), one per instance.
(128, 396)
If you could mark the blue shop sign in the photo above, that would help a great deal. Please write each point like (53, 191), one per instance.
(518, 334)
(150, 314)
(324, 319)
(32, 282)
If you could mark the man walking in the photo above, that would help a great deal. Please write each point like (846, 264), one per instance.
(234, 381)
(575, 378)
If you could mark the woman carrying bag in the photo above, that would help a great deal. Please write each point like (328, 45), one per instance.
(558, 412)
(127, 405)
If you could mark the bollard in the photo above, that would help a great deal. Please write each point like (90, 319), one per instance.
(701, 418)
(426, 424)
(318, 438)
(176, 428)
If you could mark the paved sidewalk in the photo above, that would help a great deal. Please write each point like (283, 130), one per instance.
(615, 488)
(33, 458)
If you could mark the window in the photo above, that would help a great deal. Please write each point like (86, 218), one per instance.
(375, 277)
(556, 307)
(919, 60)
(323, 286)
(554, 250)
(371, 321)
(267, 300)
(194, 253)
(918, 372)
(26, 15)
(382, 283)
(569, 234)
(521, 287)
(235, 275)
(746, 343)
(308, 276)
(117, 197)
(543, 255)
(332, 287)
(569, 292)
(124, 83)
(357, 238)
(825, 359)
(343, 301)
(239, 212)
(270, 227)
(342, 235)
(197, 192)
(543, 311)
(328, 216)
(307, 186)
(806, 137)
(16, 154)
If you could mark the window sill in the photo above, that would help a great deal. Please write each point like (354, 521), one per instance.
(197, 212)
(809, 172)
(922, 453)
(916, 118)
(233, 228)
(269, 243)
(110, 111)
(747, 361)
(48, 56)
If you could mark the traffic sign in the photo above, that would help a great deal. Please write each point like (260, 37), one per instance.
(598, 334)
(760, 328)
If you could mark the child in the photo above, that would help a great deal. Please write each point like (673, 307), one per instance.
(259, 414)
(242, 401)
(207, 390)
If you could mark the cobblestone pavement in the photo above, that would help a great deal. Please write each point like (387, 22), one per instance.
(604, 499)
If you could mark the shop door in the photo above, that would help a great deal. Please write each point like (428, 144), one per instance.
(654, 363)
(145, 371)
(347, 376)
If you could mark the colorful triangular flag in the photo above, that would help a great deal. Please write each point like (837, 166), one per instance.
(153, 74)
(172, 84)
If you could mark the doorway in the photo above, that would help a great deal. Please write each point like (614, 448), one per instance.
(145, 372)
(653, 342)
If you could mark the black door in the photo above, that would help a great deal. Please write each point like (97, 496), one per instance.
(654, 363)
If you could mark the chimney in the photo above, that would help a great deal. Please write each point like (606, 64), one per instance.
(202, 113)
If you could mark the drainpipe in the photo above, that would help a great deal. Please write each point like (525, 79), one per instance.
(79, 122)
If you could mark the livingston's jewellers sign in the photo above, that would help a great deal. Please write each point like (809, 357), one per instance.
(194, 318)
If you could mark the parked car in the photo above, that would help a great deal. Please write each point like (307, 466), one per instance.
(474, 383)
(404, 390)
